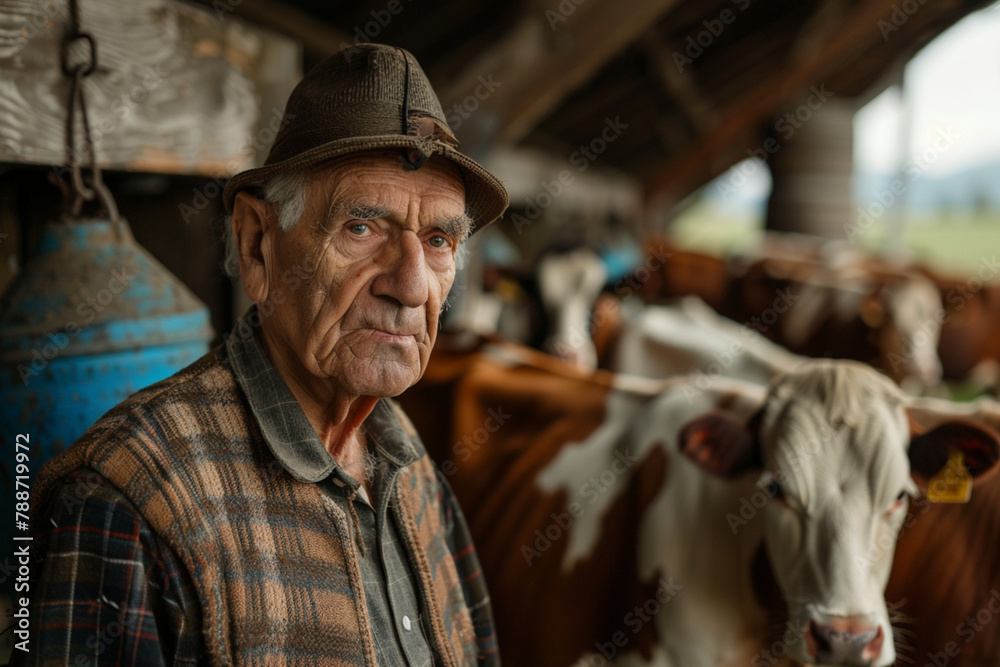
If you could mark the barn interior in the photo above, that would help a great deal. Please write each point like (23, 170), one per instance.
(525, 85)
(607, 122)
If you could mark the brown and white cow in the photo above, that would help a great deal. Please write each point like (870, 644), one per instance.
(844, 310)
(945, 583)
(949, 611)
(688, 337)
(969, 346)
(822, 302)
(634, 524)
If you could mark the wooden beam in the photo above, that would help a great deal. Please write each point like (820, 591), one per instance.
(687, 18)
(176, 89)
(859, 31)
(671, 135)
(818, 28)
(542, 59)
(680, 87)
(318, 39)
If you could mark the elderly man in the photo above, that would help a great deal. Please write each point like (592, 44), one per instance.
(269, 504)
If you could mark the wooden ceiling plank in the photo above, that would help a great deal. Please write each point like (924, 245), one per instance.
(688, 16)
(818, 28)
(679, 86)
(546, 56)
(318, 39)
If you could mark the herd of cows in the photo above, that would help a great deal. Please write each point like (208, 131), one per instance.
(709, 498)
(913, 324)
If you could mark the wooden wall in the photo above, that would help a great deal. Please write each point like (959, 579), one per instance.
(178, 89)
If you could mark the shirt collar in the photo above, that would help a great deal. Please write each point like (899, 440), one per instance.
(286, 429)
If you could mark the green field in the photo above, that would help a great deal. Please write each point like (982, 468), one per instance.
(952, 244)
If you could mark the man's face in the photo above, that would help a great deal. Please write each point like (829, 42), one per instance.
(377, 243)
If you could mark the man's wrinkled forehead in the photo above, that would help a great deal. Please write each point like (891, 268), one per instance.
(360, 187)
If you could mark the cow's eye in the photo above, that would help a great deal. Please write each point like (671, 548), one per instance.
(900, 498)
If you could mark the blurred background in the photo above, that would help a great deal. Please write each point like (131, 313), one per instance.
(694, 122)
(948, 217)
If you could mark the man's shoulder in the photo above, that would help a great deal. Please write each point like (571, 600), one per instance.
(87, 513)
(85, 498)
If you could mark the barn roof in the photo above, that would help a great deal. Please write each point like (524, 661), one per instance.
(697, 82)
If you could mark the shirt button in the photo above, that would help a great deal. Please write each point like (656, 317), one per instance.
(406, 623)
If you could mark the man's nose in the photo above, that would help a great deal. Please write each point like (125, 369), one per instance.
(404, 274)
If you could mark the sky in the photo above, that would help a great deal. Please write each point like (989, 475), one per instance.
(953, 83)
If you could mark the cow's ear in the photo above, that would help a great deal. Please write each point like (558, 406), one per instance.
(721, 443)
(980, 448)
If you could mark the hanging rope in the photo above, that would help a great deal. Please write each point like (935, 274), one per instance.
(83, 189)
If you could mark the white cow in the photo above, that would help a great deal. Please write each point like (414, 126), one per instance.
(818, 468)
(569, 284)
(688, 337)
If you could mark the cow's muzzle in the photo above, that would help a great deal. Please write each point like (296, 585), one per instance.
(844, 641)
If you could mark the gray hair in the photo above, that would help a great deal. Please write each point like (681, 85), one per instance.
(286, 194)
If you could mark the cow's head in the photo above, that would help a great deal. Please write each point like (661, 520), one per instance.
(834, 444)
(906, 316)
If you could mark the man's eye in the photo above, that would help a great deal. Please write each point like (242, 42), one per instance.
(360, 229)
(438, 241)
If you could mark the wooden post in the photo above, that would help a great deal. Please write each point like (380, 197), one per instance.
(811, 170)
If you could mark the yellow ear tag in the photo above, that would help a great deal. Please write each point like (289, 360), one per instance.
(953, 483)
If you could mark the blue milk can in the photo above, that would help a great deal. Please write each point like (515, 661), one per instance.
(91, 319)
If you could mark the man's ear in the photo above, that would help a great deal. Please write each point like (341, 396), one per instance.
(251, 219)
(980, 448)
(722, 444)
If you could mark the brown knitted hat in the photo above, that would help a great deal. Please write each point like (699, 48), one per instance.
(357, 100)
